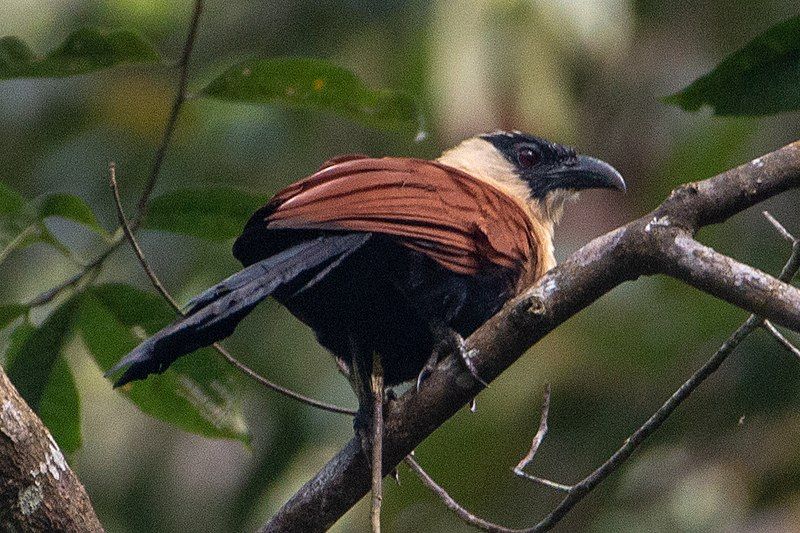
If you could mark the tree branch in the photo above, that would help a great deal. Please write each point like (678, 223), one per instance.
(660, 242)
(38, 490)
(581, 489)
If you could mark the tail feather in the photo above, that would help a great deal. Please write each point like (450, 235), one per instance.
(214, 314)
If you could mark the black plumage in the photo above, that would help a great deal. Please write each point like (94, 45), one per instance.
(392, 256)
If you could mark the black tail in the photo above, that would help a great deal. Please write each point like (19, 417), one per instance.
(214, 314)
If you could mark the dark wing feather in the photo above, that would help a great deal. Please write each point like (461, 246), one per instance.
(214, 315)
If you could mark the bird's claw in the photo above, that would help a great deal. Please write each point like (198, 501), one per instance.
(466, 356)
(430, 365)
(455, 343)
(473, 371)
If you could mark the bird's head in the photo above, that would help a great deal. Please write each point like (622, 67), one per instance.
(538, 172)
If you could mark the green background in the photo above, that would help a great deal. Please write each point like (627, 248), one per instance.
(586, 73)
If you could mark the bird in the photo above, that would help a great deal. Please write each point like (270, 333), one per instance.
(393, 261)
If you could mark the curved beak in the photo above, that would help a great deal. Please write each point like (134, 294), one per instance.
(588, 173)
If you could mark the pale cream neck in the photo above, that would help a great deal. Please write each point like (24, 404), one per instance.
(480, 159)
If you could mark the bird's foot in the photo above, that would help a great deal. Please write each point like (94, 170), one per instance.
(450, 341)
(430, 365)
(466, 357)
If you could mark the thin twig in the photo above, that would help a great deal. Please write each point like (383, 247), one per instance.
(555, 485)
(172, 120)
(155, 170)
(452, 504)
(540, 434)
(137, 249)
(779, 227)
(473, 519)
(537, 441)
(91, 269)
(782, 339)
(377, 442)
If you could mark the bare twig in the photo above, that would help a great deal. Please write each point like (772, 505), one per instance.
(93, 267)
(172, 120)
(471, 518)
(779, 227)
(452, 504)
(537, 441)
(540, 434)
(137, 249)
(377, 442)
(660, 242)
(782, 339)
(88, 271)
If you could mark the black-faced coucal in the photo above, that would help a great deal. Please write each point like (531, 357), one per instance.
(393, 256)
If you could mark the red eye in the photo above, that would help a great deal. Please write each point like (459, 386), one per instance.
(527, 157)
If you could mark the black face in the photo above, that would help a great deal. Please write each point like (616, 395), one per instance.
(548, 166)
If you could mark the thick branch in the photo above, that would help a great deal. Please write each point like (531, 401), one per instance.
(38, 490)
(644, 246)
(730, 280)
(576, 492)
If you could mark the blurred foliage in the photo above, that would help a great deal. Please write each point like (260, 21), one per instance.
(22, 223)
(316, 84)
(69, 207)
(196, 395)
(84, 51)
(216, 214)
(588, 73)
(762, 78)
(36, 367)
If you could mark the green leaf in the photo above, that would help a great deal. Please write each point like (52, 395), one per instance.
(60, 407)
(9, 312)
(44, 235)
(17, 226)
(21, 223)
(763, 78)
(195, 394)
(37, 368)
(70, 207)
(31, 366)
(12, 237)
(213, 214)
(317, 85)
(84, 51)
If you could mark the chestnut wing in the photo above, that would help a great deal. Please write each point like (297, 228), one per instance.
(459, 221)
